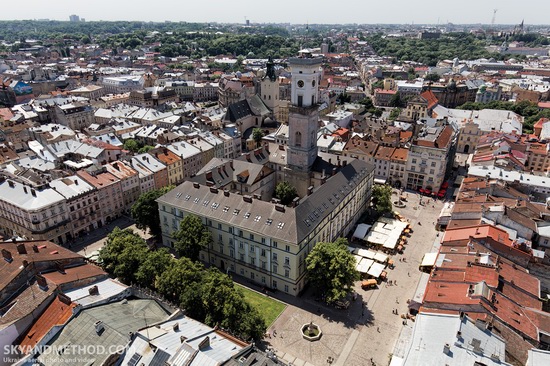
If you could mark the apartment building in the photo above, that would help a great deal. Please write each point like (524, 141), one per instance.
(174, 164)
(160, 173)
(109, 191)
(76, 116)
(429, 157)
(33, 213)
(190, 155)
(82, 203)
(129, 181)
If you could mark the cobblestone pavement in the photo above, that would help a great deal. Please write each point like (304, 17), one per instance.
(96, 239)
(362, 334)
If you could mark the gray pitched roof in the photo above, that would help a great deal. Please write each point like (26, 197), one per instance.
(292, 225)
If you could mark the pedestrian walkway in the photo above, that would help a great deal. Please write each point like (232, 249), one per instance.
(341, 361)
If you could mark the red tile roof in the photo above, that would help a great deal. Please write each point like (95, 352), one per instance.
(431, 98)
(57, 313)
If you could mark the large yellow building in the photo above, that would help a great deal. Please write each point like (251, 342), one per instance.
(267, 242)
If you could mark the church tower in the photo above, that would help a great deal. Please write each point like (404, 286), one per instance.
(303, 120)
(270, 87)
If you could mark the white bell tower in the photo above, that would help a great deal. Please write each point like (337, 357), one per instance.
(303, 120)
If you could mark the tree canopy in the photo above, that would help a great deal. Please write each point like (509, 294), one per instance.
(285, 192)
(145, 211)
(192, 237)
(257, 135)
(331, 269)
(381, 198)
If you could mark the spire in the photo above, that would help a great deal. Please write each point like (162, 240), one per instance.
(270, 73)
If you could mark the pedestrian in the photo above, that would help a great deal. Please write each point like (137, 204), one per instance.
(409, 274)
(378, 329)
(395, 282)
(397, 300)
(274, 333)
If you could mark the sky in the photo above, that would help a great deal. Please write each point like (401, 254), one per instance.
(288, 11)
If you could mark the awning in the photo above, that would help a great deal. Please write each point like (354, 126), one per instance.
(379, 181)
(376, 270)
(429, 260)
(361, 231)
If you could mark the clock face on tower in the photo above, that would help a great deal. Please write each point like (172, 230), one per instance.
(300, 83)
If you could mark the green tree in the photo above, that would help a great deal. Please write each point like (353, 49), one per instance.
(432, 77)
(131, 145)
(145, 211)
(178, 278)
(394, 114)
(257, 135)
(381, 198)
(123, 253)
(192, 237)
(155, 263)
(331, 269)
(285, 192)
(145, 149)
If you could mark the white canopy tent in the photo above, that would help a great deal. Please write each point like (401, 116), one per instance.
(361, 231)
(429, 260)
(376, 270)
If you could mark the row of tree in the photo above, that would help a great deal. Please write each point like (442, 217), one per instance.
(206, 294)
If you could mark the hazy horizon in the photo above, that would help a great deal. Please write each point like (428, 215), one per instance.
(284, 11)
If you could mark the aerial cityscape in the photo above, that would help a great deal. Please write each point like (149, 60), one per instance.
(200, 187)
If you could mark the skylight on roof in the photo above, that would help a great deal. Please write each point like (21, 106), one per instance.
(215, 205)
(308, 223)
(205, 203)
(236, 211)
(226, 208)
(187, 197)
(196, 200)
(281, 225)
(247, 215)
(257, 218)
(268, 221)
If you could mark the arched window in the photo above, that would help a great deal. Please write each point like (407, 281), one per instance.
(298, 139)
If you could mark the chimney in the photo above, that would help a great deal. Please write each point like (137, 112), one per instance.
(35, 248)
(280, 208)
(76, 181)
(7, 255)
(248, 157)
(183, 339)
(209, 175)
(21, 249)
(99, 327)
(247, 198)
(447, 349)
(231, 165)
(226, 192)
(176, 327)
(93, 291)
(309, 190)
(25, 263)
(345, 163)
(196, 185)
(214, 190)
(64, 299)
(334, 171)
(295, 201)
(33, 192)
(60, 267)
(25, 189)
(257, 196)
(41, 281)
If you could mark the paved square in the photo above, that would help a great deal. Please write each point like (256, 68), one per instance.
(355, 336)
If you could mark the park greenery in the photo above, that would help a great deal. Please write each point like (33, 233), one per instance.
(527, 109)
(381, 198)
(331, 270)
(285, 192)
(430, 51)
(145, 211)
(207, 295)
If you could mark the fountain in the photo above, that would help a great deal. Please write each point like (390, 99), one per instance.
(311, 332)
